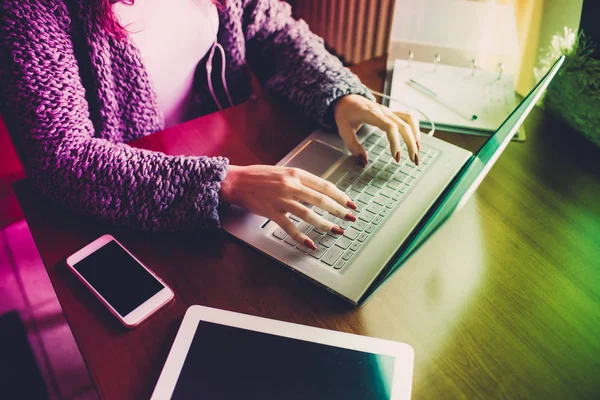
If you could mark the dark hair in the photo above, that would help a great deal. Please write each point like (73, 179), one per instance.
(103, 9)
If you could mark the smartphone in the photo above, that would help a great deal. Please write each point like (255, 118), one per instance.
(120, 281)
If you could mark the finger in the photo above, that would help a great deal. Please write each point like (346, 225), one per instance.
(327, 188)
(323, 201)
(356, 148)
(408, 136)
(413, 122)
(284, 222)
(378, 118)
(313, 218)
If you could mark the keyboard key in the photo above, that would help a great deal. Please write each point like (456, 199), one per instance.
(370, 228)
(347, 255)
(377, 220)
(304, 226)
(358, 169)
(384, 212)
(396, 196)
(393, 167)
(386, 158)
(406, 169)
(330, 217)
(332, 255)
(353, 193)
(371, 172)
(294, 218)
(355, 246)
(372, 139)
(394, 185)
(359, 224)
(279, 233)
(365, 179)
(364, 198)
(343, 224)
(343, 242)
(387, 192)
(378, 182)
(372, 190)
(290, 241)
(351, 233)
(359, 187)
(360, 206)
(374, 208)
(319, 211)
(343, 185)
(350, 178)
(379, 199)
(314, 235)
(319, 230)
(379, 165)
(391, 204)
(363, 236)
(340, 264)
(378, 149)
(385, 175)
(327, 241)
(366, 216)
(318, 253)
(302, 248)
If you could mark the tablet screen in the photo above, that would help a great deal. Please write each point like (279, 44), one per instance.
(233, 363)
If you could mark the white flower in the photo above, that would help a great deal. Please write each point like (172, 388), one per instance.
(560, 44)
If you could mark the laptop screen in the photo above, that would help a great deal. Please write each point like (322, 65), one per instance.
(462, 187)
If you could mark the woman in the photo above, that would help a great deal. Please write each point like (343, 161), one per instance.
(78, 79)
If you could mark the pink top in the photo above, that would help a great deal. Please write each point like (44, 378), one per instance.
(172, 37)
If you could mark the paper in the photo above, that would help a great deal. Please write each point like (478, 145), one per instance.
(481, 94)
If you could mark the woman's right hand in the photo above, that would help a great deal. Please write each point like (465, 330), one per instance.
(274, 192)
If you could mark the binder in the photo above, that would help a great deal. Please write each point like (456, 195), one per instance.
(450, 95)
(464, 52)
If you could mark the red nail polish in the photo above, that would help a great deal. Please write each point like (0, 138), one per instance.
(350, 204)
(416, 159)
(397, 156)
(350, 217)
(363, 160)
(309, 243)
(337, 230)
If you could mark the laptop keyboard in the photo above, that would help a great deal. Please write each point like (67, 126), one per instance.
(376, 190)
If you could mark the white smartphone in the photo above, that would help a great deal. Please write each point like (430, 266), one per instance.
(120, 281)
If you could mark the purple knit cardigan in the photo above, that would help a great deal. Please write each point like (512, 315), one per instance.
(74, 95)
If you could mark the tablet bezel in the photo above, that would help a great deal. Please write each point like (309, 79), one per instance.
(403, 353)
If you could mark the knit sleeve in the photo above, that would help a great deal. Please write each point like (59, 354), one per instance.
(292, 62)
(44, 100)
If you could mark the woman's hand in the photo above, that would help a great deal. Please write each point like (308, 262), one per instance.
(352, 111)
(274, 192)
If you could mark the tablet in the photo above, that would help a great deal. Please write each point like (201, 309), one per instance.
(222, 355)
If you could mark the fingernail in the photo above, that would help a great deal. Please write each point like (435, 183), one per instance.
(350, 217)
(397, 156)
(309, 243)
(350, 204)
(337, 229)
(363, 160)
(416, 159)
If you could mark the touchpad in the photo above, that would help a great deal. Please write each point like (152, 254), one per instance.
(315, 157)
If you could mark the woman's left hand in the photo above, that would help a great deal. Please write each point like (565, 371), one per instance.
(352, 111)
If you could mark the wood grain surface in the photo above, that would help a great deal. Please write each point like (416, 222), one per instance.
(504, 302)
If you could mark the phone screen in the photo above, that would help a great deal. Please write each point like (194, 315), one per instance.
(118, 277)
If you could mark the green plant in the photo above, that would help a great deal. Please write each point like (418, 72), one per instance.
(574, 95)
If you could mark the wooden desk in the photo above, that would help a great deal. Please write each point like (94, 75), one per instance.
(502, 303)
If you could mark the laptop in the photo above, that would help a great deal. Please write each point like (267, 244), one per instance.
(400, 205)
